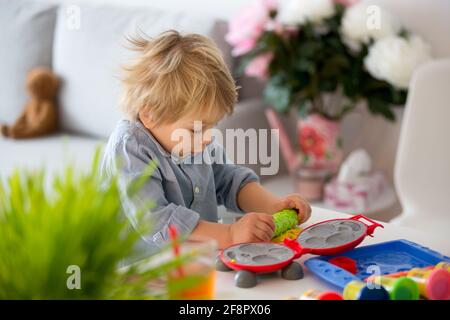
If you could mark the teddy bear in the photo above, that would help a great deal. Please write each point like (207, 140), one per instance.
(39, 116)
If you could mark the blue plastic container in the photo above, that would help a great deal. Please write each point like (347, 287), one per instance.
(381, 258)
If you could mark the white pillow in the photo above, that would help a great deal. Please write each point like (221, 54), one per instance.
(26, 40)
(88, 58)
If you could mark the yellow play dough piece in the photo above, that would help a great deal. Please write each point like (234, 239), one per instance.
(290, 234)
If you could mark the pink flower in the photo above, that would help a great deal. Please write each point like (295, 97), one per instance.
(247, 27)
(283, 31)
(259, 66)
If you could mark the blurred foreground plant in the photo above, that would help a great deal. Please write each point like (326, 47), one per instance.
(48, 234)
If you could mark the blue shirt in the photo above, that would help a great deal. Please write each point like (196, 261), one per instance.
(182, 192)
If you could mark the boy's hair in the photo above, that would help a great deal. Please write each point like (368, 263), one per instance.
(177, 75)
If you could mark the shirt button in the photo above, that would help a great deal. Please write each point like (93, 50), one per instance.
(196, 189)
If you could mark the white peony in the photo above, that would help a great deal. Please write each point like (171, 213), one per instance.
(394, 59)
(362, 23)
(298, 12)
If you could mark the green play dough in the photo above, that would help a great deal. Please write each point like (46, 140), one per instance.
(284, 221)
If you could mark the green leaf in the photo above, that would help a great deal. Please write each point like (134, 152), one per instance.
(398, 97)
(305, 65)
(306, 158)
(277, 95)
(328, 85)
(339, 142)
(303, 108)
(309, 49)
(335, 65)
(378, 106)
(243, 63)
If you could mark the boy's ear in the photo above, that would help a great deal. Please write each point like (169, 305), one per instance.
(145, 116)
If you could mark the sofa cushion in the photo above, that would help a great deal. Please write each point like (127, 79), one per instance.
(51, 153)
(89, 57)
(26, 37)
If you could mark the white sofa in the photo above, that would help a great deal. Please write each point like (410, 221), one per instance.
(85, 45)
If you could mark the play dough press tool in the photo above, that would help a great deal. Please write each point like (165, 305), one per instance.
(402, 288)
(433, 281)
(433, 284)
(320, 295)
(359, 290)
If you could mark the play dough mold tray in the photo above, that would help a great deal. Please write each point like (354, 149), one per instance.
(323, 238)
(333, 234)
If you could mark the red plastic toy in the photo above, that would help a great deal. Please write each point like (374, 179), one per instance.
(345, 263)
(324, 238)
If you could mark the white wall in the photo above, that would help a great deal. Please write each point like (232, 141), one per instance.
(429, 18)
(218, 8)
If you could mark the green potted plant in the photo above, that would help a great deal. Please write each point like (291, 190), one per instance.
(65, 238)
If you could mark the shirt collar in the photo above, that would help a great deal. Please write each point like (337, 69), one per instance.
(153, 139)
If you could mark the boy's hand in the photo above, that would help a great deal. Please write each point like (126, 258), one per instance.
(294, 201)
(252, 227)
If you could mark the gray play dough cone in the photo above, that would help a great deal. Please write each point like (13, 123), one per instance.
(292, 271)
(245, 279)
(220, 266)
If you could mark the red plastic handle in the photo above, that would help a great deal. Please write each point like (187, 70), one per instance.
(296, 247)
(370, 227)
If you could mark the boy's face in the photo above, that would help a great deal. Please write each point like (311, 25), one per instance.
(188, 135)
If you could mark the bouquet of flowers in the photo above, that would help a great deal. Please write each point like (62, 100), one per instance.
(323, 57)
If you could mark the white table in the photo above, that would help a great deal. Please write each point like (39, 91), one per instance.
(284, 185)
(274, 287)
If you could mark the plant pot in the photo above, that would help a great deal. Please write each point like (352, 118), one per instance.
(310, 183)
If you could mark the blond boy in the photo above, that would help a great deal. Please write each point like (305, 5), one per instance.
(176, 80)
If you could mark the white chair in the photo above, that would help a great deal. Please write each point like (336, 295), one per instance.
(422, 167)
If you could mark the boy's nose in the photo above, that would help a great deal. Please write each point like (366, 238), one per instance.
(207, 138)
